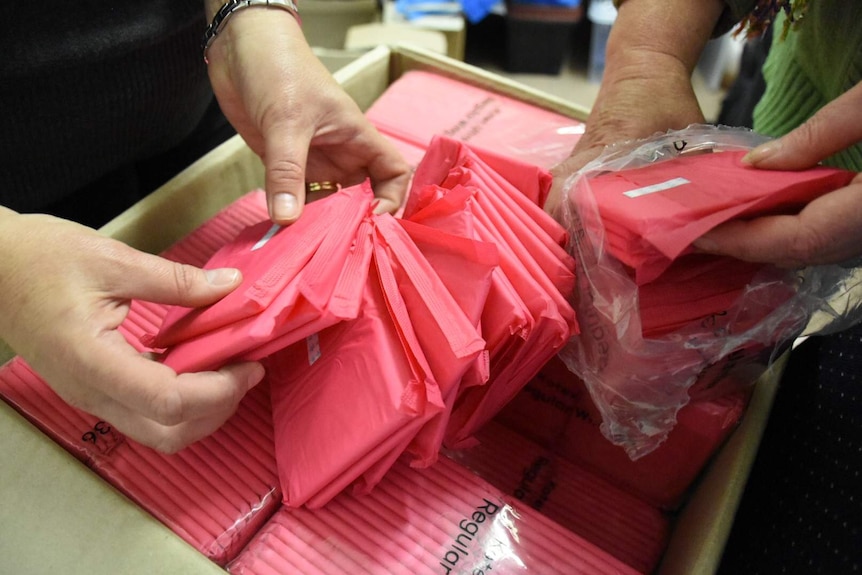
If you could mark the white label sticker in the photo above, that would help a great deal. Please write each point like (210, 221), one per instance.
(313, 344)
(266, 237)
(674, 183)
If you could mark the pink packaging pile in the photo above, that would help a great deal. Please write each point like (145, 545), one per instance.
(415, 417)
(385, 336)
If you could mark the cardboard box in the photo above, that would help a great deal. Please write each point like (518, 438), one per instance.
(325, 22)
(56, 516)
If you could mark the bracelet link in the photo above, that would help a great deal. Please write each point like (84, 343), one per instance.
(220, 18)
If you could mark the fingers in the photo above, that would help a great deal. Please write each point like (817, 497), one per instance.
(828, 230)
(837, 126)
(561, 174)
(191, 413)
(150, 403)
(390, 175)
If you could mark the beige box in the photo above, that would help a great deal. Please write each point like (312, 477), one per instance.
(325, 22)
(57, 516)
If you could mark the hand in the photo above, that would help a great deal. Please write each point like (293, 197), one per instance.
(292, 113)
(634, 107)
(64, 290)
(829, 229)
(650, 56)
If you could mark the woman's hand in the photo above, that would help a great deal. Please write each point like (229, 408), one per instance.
(652, 50)
(292, 113)
(829, 229)
(64, 290)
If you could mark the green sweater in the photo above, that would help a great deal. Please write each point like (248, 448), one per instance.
(819, 59)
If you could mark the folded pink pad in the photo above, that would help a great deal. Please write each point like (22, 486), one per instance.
(457, 261)
(368, 379)
(289, 278)
(556, 411)
(443, 519)
(607, 516)
(658, 210)
(534, 266)
(517, 184)
(420, 105)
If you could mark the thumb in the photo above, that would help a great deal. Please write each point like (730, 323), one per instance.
(155, 279)
(835, 127)
(284, 161)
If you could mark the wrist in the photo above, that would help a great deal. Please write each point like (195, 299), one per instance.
(220, 17)
(655, 33)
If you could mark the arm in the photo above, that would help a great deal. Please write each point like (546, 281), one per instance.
(652, 50)
(292, 113)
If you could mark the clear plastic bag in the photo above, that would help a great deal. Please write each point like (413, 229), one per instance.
(640, 374)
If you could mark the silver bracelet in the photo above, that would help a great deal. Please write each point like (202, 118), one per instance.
(231, 6)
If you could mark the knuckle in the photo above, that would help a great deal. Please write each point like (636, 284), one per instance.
(809, 133)
(184, 278)
(169, 443)
(808, 244)
(285, 169)
(168, 407)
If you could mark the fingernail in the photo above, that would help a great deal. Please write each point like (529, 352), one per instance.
(283, 207)
(704, 245)
(255, 376)
(762, 152)
(222, 276)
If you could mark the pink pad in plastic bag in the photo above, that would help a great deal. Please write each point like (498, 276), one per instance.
(420, 105)
(663, 325)
(660, 209)
(83, 435)
(214, 494)
(443, 519)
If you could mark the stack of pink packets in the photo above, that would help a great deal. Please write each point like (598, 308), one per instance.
(609, 516)
(420, 105)
(440, 520)
(385, 336)
(664, 322)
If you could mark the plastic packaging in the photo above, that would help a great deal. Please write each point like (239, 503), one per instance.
(555, 410)
(667, 324)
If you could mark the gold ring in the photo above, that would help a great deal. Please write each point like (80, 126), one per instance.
(312, 187)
